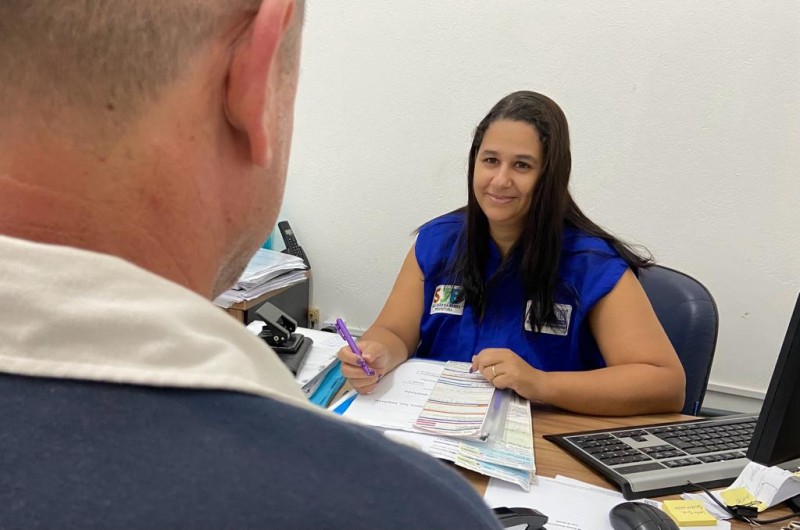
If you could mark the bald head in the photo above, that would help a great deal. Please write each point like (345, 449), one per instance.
(102, 56)
(157, 131)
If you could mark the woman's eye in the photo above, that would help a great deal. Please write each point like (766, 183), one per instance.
(490, 160)
(522, 165)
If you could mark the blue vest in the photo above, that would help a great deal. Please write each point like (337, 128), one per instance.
(589, 268)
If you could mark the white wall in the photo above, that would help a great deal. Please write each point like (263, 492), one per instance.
(685, 120)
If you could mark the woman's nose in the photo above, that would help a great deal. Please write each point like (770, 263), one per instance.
(501, 177)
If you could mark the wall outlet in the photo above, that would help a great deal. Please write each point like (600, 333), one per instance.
(313, 317)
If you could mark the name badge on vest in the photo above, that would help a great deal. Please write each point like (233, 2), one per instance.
(448, 299)
(559, 326)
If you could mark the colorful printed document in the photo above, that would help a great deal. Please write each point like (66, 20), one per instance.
(509, 457)
(401, 397)
(459, 404)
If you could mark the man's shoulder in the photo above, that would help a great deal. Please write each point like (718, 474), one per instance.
(118, 454)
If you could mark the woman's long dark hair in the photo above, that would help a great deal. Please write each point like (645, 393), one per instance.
(552, 207)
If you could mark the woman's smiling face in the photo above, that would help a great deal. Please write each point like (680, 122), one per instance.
(507, 168)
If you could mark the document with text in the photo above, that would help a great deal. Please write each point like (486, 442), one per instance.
(401, 397)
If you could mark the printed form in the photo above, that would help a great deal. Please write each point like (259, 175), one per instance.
(399, 397)
(459, 404)
(402, 395)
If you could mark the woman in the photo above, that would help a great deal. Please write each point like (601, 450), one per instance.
(523, 285)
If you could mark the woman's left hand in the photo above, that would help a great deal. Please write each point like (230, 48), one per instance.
(505, 369)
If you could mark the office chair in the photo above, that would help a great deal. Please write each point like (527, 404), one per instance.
(688, 313)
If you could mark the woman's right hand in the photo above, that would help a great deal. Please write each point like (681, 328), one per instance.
(376, 356)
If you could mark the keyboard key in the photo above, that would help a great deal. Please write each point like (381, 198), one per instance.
(655, 449)
(630, 434)
(639, 468)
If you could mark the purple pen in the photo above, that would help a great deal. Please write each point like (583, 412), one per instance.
(345, 334)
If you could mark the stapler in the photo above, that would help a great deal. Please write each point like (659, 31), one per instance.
(278, 332)
(530, 518)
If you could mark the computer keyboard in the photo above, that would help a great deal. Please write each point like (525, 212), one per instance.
(653, 460)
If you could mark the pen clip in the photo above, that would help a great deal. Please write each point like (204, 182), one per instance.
(339, 330)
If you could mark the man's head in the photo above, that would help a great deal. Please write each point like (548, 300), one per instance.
(156, 130)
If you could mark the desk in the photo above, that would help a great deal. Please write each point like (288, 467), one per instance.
(551, 460)
(292, 300)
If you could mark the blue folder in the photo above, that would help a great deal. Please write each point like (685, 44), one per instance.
(329, 386)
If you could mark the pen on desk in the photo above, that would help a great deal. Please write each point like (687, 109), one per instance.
(345, 334)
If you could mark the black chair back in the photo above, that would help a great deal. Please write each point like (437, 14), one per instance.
(688, 313)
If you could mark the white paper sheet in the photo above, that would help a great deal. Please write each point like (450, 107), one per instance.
(770, 485)
(398, 398)
(569, 504)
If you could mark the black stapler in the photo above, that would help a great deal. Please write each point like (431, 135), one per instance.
(278, 332)
(511, 517)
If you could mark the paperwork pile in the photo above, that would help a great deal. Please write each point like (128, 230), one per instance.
(268, 270)
(403, 395)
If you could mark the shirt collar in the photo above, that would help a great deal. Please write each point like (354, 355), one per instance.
(75, 314)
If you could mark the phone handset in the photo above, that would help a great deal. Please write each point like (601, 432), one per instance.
(292, 246)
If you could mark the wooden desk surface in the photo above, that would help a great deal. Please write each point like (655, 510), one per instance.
(551, 460)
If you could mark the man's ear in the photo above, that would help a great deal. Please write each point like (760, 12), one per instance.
(249, 71)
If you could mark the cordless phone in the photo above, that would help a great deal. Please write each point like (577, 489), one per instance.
(292, 247)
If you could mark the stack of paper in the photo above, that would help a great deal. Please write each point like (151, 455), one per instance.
(268, 270)
(402, 396)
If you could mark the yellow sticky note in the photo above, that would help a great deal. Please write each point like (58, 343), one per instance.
(689, 513)
(741, 497)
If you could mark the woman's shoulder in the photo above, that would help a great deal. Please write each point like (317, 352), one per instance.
(437, 241)
(449, 223)
(577, 241)
(590, 265)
